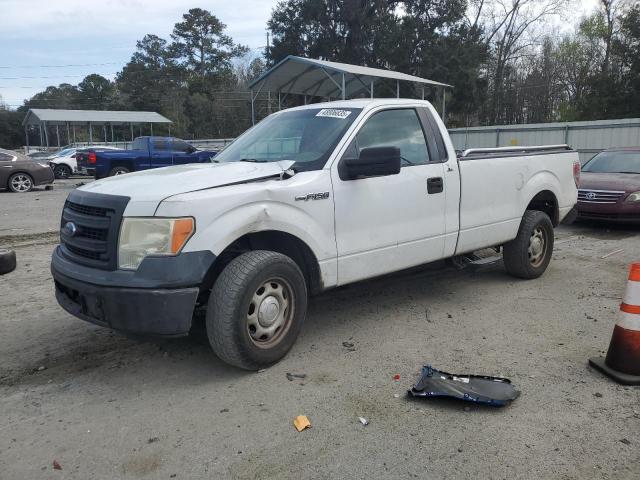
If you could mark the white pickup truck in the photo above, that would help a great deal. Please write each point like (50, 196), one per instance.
(309, 199)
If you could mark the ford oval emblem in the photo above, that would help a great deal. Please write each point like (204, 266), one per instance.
(70, 229)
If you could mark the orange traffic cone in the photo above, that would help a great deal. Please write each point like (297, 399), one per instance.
(623, 358)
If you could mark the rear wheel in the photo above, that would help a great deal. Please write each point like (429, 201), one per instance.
(20, 183)
(256, 309)
(120, 170)
(530, 253)
(61, 171)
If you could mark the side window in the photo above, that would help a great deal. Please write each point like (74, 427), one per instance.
(396, 128)
(437, 148)
(160, 145)
(181, 146)
(139, 143)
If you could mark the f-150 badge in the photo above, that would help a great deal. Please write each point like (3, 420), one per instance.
(313, 196)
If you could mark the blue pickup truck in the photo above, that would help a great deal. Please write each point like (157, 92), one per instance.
(145, 153)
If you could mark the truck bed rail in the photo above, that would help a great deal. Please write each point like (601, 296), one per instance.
(473, 153)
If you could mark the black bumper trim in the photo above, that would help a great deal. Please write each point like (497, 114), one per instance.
(159, 312)
(157, 299)
(184, 270)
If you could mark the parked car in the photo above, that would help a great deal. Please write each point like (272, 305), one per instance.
(64, 164)
(311, 198)
(146, 153)
(610, 186)
(40, 157)
(18, 173)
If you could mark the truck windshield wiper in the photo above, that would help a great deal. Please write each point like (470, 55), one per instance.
(253, 160)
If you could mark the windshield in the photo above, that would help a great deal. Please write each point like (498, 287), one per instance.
(614, 162)
(65, 152)
(306, 137)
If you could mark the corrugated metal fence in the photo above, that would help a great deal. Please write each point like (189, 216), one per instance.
(588, 138)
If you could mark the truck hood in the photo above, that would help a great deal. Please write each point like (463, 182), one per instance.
(161, 183)
(623, 182)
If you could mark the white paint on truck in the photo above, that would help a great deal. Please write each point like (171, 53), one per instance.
(368, 227)
(408, 206)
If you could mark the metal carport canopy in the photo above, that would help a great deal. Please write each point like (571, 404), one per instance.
(49, 116)
(321, 78)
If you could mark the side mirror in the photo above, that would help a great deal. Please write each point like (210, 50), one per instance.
(373, 162)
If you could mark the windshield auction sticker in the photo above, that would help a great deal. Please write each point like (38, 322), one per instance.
(333, 113)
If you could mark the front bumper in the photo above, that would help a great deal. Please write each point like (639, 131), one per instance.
(43, 176)
(613, 212)
(157, 299)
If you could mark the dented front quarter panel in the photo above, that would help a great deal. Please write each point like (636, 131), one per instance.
(226, 213)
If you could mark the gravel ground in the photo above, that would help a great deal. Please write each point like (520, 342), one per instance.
(37, 211)
(104, 406)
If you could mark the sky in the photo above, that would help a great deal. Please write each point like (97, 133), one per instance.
(40, 39)
(48, 42)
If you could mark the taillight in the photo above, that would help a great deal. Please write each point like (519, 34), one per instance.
(92, 158)
(576, 173)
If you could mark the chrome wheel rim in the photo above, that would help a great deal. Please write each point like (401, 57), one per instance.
(270, 312)
(537, 246)
(21, 183)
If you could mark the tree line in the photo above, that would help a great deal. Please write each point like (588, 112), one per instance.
(508, 60)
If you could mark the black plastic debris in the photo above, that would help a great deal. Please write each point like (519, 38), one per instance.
(471, 388)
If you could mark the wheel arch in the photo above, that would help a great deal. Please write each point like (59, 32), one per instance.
(122, 163)
(276, 241)
(546, 201)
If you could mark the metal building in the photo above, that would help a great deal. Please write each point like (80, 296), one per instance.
(99, 123)
(332, 80)
(588, 138)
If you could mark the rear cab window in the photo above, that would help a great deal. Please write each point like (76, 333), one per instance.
(139, 144)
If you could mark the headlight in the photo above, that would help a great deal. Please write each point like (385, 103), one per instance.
(634, 197)
(140, 237)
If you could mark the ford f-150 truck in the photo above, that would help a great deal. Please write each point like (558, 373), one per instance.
(310, 198)
(145, 153)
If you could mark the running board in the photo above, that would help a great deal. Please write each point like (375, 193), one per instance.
(472, 260)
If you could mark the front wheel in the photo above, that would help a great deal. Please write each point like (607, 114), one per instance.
(62, 171)
(256, 309)
(20, 183)
(530, 253)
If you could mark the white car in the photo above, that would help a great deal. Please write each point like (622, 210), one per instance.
(310, 198)
(64, 162)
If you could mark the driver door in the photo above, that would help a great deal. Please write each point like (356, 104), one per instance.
(183, 152)
(388, 223)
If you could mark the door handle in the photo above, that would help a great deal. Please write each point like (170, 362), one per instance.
(435, 185)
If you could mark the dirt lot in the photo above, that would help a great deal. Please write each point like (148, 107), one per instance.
(106, 407)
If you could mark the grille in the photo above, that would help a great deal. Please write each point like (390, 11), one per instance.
(83, 252)
(89, 228)
(87, 210)
(599, 196)
(94, 233)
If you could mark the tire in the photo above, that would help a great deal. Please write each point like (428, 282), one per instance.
(20, 182)
(530, 253)
(7, 261)
(241, 321)
(120, 170)
(61, 171)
